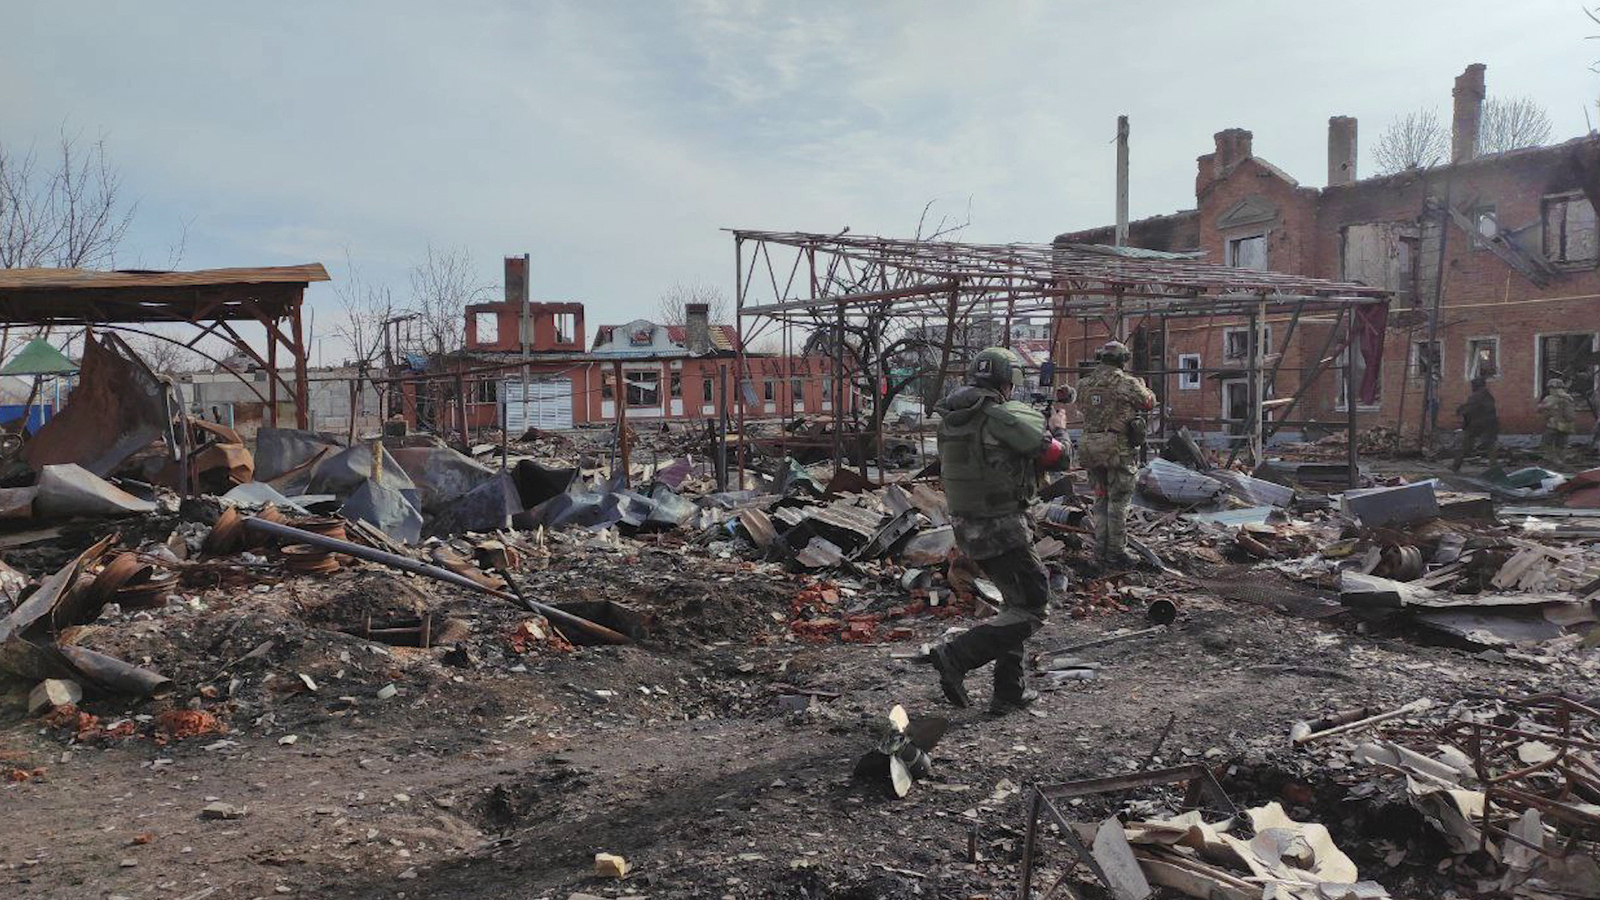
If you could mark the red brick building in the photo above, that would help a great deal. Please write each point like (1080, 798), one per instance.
(670, 372)
(1493, 261)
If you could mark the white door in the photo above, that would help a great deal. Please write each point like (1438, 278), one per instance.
(549, 404)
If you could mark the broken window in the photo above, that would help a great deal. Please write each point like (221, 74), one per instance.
(827, 389)
(1360, 375)
(485, 391)
(644, 388)
(486, 325)
(676, 386)
(607, 386)
(1188, 371)
(1425, 356)
(797, 392)
(1483, 357)
(1485, 225)
(769, 390)
(1569, 229)
(1380, 254)
(643, 336)
(1248, 252)
(1570, 357)
(1236, 342)
(705, 390)
(566, 327)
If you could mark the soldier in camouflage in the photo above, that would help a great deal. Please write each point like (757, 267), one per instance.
(1560, 412)
(1113, 403)
(992, 449)
(1480, 424)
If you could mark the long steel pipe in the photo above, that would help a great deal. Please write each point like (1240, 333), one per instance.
(407, 564)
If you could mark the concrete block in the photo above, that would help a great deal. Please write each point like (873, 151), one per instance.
(51, 693)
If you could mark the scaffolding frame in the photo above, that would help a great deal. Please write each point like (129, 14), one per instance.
(827, 282)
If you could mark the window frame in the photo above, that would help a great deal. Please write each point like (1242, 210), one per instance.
(1190, 381)
(1466, 370)
(1265, 341)
(1339, 404)
(1414, 356)
(1565, 200)
(1539, 378)
(1232, 247)
(570, 334)
(629, 376)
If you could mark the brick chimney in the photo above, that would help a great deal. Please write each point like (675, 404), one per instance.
(1341, 150)
(1233, 146)
(518, 286)
(516, 278)
(1468, 96)
(697, 327)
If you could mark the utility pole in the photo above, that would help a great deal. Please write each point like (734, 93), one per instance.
(527, 334)
(1122, 181)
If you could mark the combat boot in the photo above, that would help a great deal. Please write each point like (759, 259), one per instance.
(951, 679)
(1000, 706)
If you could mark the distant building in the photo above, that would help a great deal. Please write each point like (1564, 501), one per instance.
(1503, 246)
(669, 372)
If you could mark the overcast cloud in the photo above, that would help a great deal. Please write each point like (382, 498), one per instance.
(612, 141)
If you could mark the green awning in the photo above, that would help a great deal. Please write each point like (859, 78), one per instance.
(39, 358)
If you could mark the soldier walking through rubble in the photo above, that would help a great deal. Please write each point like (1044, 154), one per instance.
(1559, 411)
(1480, 424)
(1113, 403)
(992, 449)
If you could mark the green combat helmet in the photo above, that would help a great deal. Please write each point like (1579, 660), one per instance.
(996, 368)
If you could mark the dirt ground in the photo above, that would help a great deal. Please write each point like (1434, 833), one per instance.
(494, 773)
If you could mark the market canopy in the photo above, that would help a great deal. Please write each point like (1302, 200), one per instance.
(39, 357)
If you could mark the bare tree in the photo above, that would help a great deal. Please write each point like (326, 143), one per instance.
(1416, 140)
(442, 286)
(1420, 139)
(366, 308)
(166, 357)
(1511, 123)
(64, 209)
(681, 293)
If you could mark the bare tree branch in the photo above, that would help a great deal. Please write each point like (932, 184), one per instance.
(1416, 140)
(1512, 123)
(69, 214)
(442, 286)
(366, 308)
(674, 298)
(1420, 139)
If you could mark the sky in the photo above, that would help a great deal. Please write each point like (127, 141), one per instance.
(613, 141)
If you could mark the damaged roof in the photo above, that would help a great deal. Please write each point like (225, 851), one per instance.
(62, 296)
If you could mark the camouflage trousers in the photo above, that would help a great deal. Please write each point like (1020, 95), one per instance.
(1479, 440)
(1112, 487)
(1025, 586)
(1555, 443)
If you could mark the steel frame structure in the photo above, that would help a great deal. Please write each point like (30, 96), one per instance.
(822, 281)
(210, 300)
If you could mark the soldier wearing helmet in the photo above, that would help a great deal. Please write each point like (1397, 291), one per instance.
(1113, 403)
(1560, 412)
(992, 449)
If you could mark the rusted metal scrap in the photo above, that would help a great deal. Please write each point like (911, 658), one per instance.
(116, 410)
(64, 599)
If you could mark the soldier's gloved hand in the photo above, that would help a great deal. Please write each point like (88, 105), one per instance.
(1058, 420)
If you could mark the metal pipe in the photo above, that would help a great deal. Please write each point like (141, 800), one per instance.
(407, 564)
